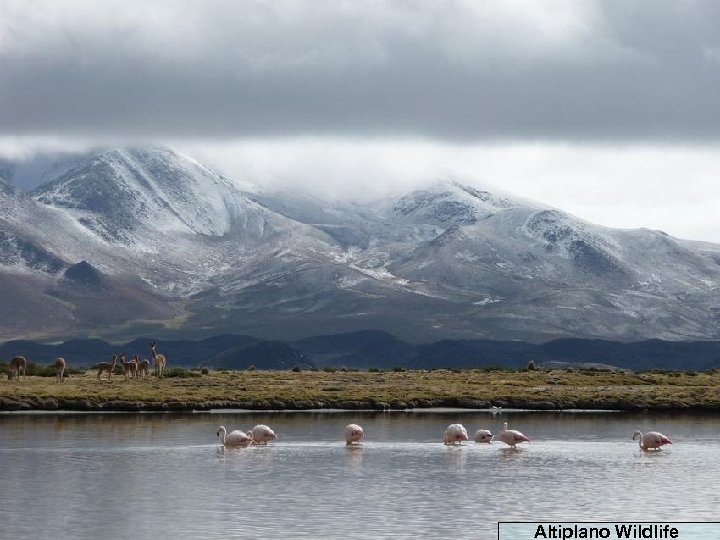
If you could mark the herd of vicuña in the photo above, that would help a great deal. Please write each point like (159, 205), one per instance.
(132, 369)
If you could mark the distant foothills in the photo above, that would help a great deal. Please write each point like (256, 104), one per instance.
(377, 349)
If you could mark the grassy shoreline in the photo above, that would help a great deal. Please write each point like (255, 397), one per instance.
(279, 390)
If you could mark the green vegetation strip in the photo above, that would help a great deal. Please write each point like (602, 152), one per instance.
(392, 389)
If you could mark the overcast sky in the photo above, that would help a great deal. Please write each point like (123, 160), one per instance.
(610, 110)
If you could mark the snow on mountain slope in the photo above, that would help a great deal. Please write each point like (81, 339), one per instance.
(171, 220)
(186, 245)
(517, 269)
(448, 203)
(23, 246)
(37, 246)
(119, 191)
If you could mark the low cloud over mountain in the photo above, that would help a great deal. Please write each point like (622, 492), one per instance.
(177, 248)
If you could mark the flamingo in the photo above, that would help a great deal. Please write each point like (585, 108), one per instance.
(262, 434)
(353, 434)
(652, 440)
(483, 436)
(234, 438)
(511, 436)
(455, 433)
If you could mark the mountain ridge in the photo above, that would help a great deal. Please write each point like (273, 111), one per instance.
(185, 251)
(377, 349)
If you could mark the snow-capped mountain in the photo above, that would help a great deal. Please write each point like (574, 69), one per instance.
(171, 220)
(174, 246)
(495, 266)
(121, 192)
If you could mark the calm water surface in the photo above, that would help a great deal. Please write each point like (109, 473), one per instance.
(135, 476)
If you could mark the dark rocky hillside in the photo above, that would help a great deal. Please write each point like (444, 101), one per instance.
(375, 349)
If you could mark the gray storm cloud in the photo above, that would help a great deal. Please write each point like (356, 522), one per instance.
(646, 70)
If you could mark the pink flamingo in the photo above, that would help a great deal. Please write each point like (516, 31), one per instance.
(652, 440)
(455, 434)
(234, 438)
(262, 434)
(353, 434)
(511, 437)
(483, 436)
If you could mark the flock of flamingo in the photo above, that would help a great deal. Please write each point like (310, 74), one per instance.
(454, 434)
(260, 434)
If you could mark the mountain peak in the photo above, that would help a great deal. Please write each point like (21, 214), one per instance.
(119, 190)
(449, 202)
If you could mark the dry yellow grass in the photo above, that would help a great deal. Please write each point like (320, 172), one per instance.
(309, 389)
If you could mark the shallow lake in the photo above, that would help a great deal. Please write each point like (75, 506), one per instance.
(136, 476)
